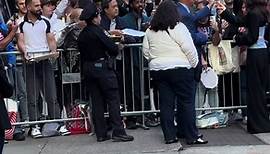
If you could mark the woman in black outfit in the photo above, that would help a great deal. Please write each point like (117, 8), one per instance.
(257, 61)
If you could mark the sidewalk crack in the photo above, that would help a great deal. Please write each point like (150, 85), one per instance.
(43, 147)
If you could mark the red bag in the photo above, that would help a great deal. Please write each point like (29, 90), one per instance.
(12, 109)
(78, 126)
(9, 133)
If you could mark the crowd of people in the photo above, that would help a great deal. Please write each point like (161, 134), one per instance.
(175, 47)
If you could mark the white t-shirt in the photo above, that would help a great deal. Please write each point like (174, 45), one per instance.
(35, 34)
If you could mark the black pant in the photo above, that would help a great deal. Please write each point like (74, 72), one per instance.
(2, 139)
(198, 68)
(229, 90)
(180, 84)
(243, 94)
(257, 79)
(103, 86)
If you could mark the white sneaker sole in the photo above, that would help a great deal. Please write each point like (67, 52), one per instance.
(37, 136)
(65, 133)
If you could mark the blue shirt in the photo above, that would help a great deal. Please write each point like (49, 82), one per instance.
(10, 47)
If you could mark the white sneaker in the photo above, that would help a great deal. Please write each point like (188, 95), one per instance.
(35, 132)
(64, 131)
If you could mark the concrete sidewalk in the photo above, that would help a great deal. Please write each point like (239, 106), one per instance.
(146, 141)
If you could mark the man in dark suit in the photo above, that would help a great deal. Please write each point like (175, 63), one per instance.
(191, 20)
(111, 22)
(109, 16)
(6, 89)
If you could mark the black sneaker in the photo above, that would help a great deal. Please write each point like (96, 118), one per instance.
(102, 139)
(122, 138)
(19, 136)
(198, 141)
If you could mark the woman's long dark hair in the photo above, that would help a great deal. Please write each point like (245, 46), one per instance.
(166, 16)
(237, 7)
(260, 8)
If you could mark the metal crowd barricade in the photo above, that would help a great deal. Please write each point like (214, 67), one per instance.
(229, 95)
(140, 79)
(41, 105)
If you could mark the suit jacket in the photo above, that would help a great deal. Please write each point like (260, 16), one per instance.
(6, 90)
(106, 22)
(199, 39)
(130, 20)
(191, 21)
(120, 24)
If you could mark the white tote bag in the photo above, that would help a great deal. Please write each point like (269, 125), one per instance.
(222, 58)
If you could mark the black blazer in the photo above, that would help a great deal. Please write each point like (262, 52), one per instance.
(120, 24)
(105, 22)
(6, 90)
(251, 21)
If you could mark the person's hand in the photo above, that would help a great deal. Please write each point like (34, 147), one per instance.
(116, 32)
(224, 24)
(13, 27)
(26, 57)
(220, 7)
(55, 54)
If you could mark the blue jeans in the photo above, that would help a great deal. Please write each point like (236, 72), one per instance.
(16, 76)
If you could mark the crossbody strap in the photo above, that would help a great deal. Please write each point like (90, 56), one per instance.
(172, 38)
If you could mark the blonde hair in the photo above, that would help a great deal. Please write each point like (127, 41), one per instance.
(75, 14)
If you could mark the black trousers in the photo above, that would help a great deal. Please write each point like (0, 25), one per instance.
(177, 84)
(228, 90)
(103, 87)
(2, 139)
(257, 79)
